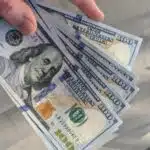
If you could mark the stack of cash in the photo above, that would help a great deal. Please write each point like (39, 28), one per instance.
(72, 79)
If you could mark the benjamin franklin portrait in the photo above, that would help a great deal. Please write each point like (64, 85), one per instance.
(31, 69)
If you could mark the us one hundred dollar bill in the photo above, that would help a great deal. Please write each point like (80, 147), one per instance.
(110, 96)
(118, 77)
(127, 90)
(94, 77)
(47, 142)
(121, 46)
(48, 83)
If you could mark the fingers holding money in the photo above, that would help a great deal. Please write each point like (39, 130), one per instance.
(90, 8)
(18, 14)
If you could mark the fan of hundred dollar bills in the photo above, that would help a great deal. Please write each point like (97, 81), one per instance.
(72, 79)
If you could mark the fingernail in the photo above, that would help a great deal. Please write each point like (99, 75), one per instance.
(27, 26)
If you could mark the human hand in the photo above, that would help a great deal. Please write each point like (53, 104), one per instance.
(19, 14)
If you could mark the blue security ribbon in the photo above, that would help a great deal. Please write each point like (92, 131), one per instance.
(24, 108)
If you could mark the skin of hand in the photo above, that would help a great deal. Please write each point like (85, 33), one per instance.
(19, 14)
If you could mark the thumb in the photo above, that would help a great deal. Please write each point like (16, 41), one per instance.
(18, 14)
